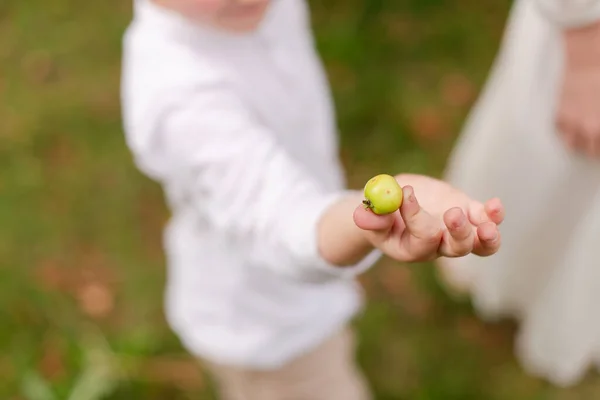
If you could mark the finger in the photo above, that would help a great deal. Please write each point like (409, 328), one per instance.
(367, 220)
(591, 131)
(491, 211)
(488, 240)
(581, 143)
(419, 223)
(494, 209)
(590, 147)
(563, 126)
(422, 236)
(577, 141)
(459, 237)
(567, 131)
(477, 213)
(570, 140)
(596, 146)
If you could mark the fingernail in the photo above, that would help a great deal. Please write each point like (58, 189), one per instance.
(460, 222)
(411, 195)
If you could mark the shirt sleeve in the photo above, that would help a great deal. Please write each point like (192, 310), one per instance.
(245, 185)
(570, 13)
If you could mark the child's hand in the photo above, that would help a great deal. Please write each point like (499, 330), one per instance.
(443, 222)
(578, 113)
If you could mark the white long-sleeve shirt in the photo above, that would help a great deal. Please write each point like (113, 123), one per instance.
(240, 132)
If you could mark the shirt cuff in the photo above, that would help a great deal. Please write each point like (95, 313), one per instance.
(317, 269)
(570, 13)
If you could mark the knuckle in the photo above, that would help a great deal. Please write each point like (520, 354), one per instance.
(490, 248)
(462, 233)
(414, 214)
(462, 248)
(432, 235)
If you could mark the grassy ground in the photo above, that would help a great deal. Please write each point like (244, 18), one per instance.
(81, 265)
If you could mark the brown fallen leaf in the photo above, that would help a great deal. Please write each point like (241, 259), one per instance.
(60, 153)
(179, 372)
(51, 275)
(490, 336)
(39, 67)
(95, 299)
(7, 369)
(429, 124)
(398, 27)
(457, 90)
(52, 363)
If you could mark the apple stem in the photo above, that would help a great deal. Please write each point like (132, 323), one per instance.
(367, 203)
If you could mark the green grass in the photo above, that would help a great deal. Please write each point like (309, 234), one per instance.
(81, 264)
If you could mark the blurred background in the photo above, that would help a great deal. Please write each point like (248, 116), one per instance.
(81, 262)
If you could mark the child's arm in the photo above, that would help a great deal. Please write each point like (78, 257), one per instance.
(444, 222)
(250, 189)
(239, 179)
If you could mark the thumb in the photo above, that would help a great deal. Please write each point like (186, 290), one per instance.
(367, 220)
(419, 223)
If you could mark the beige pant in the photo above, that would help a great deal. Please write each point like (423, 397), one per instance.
(328, 372)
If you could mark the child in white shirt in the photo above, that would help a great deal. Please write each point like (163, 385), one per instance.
(226, 105)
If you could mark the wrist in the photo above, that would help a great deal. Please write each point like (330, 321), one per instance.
(582, 46)
(341, 242)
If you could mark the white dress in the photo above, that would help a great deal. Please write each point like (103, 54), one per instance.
(547, 273)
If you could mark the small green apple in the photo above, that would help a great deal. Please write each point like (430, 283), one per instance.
(383, 194)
